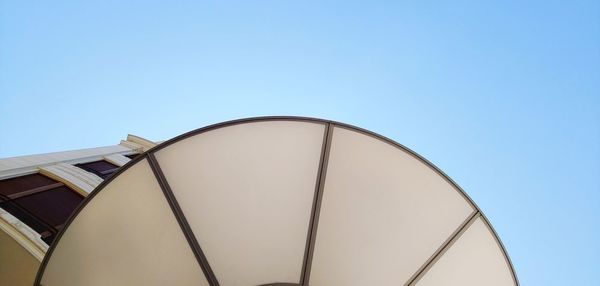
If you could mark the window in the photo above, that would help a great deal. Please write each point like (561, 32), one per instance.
(132, 156)
(39, 202)
(101, 168)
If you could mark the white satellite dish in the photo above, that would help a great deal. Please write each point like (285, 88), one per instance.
(277, 201)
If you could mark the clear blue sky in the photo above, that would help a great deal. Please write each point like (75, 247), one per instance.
(503, 96)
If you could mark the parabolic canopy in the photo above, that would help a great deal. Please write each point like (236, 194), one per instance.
(278, 201)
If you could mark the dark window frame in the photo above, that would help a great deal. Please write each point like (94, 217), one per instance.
(132, 156)
(25, 197)
(100, 168)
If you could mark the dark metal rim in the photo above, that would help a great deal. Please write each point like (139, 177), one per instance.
(330, 123)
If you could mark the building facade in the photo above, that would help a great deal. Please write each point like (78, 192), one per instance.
(39, 192)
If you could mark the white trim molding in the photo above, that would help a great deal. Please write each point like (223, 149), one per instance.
(76, 178)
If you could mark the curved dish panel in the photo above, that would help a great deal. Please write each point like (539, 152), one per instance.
(278, 201)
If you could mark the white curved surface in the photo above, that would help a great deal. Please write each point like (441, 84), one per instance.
(247, 191)
(126, 236)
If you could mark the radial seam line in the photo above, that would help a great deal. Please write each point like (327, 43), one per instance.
(443, 248)
(316, 208)
(185, 227)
